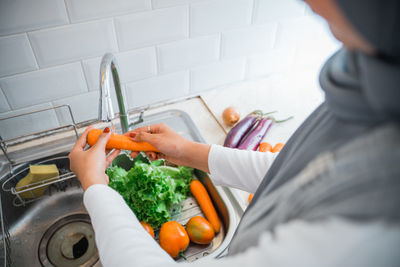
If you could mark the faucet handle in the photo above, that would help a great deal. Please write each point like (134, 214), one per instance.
(138, 120)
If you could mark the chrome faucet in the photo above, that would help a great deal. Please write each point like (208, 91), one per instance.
(106, 112)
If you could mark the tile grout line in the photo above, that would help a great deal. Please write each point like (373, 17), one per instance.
(85, 76)
(254, 7)
(116, 35)
(56, 113)
(7, 101)
(189, 32)
(220, 47)
(42, 69)
(158, 67)
(67, 11)
(33, 52)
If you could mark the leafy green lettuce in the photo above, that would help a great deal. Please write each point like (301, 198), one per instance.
(150, 189)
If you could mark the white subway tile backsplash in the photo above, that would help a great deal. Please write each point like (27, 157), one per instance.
(50, 50)
(16, 55)
(137, 64)
(80, 10)
(84, 107)
(188, 53)
(73, 42)
(156, 89)
(272, 10)
(272, 62)
(25, 15)
(133, 65)
(313, 55)
(216, 16)
(43, 85)
(168, 3)
(150, 28)
(4, 106)
(91, 67)
(248, 41)
(304, 30)
(27, 124)
(216, 74)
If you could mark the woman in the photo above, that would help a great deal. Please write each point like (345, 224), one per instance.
(331, 196)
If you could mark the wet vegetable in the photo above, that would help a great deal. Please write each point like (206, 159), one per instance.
(148, 228)
(236, 134)
(230, 116)
(150, 190)
(173, 238)
(200, 231)
(119, 142)
(200, 193)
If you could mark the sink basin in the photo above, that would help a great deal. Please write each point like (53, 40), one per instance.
(36, 228)
(55, 230)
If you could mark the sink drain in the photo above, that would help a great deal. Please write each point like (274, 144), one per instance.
(69, 242)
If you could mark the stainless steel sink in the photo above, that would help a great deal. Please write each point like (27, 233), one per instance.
(55, 230)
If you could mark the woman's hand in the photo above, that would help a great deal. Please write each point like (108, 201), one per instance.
(90, 165)
(172, 146)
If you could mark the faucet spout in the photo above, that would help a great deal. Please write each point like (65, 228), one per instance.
(108, 69)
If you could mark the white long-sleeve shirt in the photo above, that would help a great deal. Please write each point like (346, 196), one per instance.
(122, 241)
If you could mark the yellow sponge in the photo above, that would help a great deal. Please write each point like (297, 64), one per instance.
(36, 174)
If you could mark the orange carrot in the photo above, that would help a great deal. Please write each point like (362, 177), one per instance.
(200, 193)
(119, 142)
(264, 147)
(278, 147)
(250, 197)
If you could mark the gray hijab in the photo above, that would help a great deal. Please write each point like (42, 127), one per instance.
(367, 87)
(362, 94)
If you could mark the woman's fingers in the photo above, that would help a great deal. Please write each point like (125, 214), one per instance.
(143, 137)
(154, 129)
(155, 156)
(134, 154)
(151, 155)
(103, 139)
(141, 129)
(112, 156)
(81, 142)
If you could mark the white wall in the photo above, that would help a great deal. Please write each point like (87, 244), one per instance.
(50, 50)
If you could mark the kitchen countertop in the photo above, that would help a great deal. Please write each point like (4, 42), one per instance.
(297, 95)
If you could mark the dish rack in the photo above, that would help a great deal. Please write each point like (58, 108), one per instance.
(9, 185)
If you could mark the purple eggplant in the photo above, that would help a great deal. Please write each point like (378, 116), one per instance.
(236, 134)
(254, 138)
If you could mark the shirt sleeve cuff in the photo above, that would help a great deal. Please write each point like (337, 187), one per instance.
(216, 152)
(96, 192)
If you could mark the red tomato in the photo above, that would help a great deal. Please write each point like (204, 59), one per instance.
(200, 231)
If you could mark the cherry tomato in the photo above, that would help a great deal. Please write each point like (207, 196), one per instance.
(148, 228)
